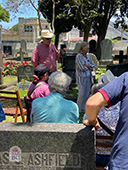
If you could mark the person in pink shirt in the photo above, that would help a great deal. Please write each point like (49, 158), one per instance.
(45, 52)
(41, 76)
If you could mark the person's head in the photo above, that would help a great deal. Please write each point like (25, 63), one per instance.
(41, 72)
(59, 82)
(83, 48)
(46, 36)
(96, 87)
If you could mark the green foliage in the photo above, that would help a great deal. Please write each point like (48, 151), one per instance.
(4, 14)
(14, 28)
(113, 41)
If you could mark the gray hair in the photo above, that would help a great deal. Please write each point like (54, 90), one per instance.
(81, 45)
(59, 82)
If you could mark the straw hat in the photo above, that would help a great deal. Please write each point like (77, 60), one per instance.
(106, 78)
(46, 34)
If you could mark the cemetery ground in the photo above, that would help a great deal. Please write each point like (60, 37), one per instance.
(72, 92)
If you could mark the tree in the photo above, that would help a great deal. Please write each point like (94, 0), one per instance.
(21, 5)
(4, 14)
(61, 23)
(84, 12)
(108, 8)
(15, 27)
(121, 16)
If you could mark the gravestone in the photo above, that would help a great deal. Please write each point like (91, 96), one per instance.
(106, 53)
(121, 57)
(118, 69)
(23, 85)
(1, 58)
(23, 45)
(46, 146)
(25, 72)
(92, 46)
(68, 65)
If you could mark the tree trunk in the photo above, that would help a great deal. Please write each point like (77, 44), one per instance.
(56, 39)
(101, 35)
(86, 34)
(40, 28)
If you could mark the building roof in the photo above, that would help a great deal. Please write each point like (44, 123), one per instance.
(113, 32)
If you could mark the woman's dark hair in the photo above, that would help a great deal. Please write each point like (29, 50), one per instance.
(39, 72)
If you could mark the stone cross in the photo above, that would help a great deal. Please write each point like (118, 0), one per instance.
(23, 45)
(121, 57)
(1, 58)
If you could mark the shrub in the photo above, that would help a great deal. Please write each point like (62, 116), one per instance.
(10, 68)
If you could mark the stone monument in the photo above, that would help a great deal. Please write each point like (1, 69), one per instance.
(25, 72)
(106, 53)
(92, 47)
(46, 146)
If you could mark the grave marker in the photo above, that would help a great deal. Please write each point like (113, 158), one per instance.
(121, 57)
(68, 65)
(106, 53)
(25, 72)
(47, 146)
(92, 46)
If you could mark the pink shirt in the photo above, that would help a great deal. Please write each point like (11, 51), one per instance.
(46, 55)
(40, 91)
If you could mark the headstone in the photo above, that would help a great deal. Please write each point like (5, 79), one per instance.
(23, 45)
(24, 85)
(68, 65)
(106, 53)
(92, 46)
(1, 57)
(46, 146)
(121, 57)
(25, 73)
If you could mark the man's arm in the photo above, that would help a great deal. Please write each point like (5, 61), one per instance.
(93, 105)
(34, 59)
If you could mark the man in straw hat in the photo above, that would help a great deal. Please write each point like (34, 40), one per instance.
(109, 95)
(46, 53)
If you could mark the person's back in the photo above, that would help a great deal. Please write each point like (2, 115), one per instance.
(54, 108)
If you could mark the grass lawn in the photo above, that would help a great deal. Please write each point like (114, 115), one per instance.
(8, 79)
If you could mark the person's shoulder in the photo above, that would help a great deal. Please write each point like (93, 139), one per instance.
(78, 55)
(52, 45)
(37, 100)
(72, 103)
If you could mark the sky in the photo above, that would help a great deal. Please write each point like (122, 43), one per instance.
(28, 13)
(31, 13)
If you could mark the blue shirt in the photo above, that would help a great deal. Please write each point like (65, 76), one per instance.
(54, 109)
(117, 90)
(2, 115)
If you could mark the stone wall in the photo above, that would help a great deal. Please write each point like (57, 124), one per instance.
(46, 146)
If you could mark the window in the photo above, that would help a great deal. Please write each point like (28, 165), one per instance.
(27, 28)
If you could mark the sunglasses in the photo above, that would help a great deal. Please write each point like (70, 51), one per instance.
(48, 38)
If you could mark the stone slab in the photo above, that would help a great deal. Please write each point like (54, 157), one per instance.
(25, 73)
(46, 146)
(118, 69)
